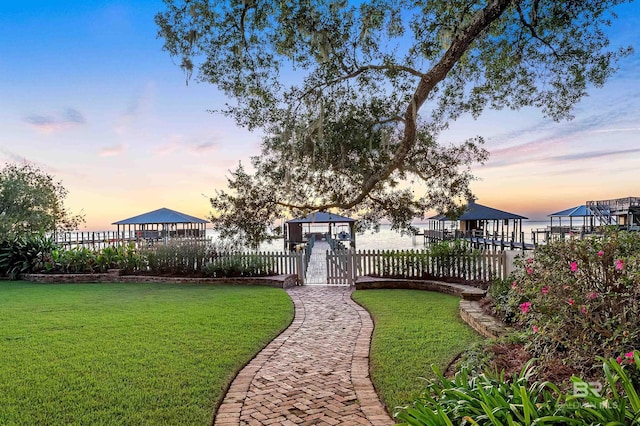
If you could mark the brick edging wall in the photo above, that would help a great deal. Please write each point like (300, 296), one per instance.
(467, 292)
(469, 309)
(279, 281)
(488, 326)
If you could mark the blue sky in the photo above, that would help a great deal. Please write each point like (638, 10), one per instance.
(87, 93)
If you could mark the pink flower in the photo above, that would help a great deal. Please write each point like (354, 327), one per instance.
(592, 295)
(535, 328)
(619, 264)
(529, 271)
(545, 289)
(574, 266)
(529, 260)
(629, 355)
(600, 253)
(571, 302)
(619, 360)
(514, 285)
(583, 310)
(524, 307)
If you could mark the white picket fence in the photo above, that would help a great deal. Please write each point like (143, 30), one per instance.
(344, 266)
(476, 266)
(263, 263)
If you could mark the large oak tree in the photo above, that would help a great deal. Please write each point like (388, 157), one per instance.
(352, 97)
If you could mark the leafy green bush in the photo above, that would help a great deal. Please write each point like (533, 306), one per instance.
(499, 293)
(24, 253)
(82, 260)
(489, 399)
(579, 298)
(77, 260)
(110, 258)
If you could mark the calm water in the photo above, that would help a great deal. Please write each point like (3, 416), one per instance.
(386, 239)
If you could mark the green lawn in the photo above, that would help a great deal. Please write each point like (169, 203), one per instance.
(413, 329)
(128, 353)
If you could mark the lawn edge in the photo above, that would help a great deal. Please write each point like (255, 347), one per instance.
(242, 378)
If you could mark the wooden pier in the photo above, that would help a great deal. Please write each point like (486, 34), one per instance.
(100, 240)
(479, 240)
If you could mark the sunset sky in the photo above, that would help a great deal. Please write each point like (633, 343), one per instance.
(87, 94)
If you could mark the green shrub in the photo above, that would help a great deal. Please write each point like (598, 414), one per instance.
(24, 254)
(110, 258)
(489, 399)
(131, 259)
(82, 260)
(77, 260)
(579, 298)
(500, 294)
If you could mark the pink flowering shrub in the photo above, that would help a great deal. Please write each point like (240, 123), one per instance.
(579, 299)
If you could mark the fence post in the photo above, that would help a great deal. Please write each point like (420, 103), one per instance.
(299, 267)
(350, 268)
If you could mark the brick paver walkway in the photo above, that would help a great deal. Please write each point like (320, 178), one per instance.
(317, 268)
(315, 373)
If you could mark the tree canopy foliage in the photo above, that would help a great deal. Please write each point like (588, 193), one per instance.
(352, 97)
(32, 201)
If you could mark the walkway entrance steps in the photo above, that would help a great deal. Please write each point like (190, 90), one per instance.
(315, 373)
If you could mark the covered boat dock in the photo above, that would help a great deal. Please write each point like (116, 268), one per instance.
(481, 226)
(163, 224)
(320, 226)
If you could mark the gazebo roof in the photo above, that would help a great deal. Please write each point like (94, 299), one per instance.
(578, 211)
(322, 217)
(160, 216)
(475, 211)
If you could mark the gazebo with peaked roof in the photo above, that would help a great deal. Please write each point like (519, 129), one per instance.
(578, 212)
(163, 223)
(294, 232)
(478, 220)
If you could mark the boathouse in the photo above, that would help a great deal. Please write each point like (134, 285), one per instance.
(478, 224)
(163, 224)
(321, 226)
(624, 212)
(579, 219)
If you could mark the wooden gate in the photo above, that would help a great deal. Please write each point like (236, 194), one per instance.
(341, 267)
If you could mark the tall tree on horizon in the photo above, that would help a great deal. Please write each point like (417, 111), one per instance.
(352, 97)
(32, 201)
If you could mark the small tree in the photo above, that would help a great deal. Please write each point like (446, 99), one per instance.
(31, 201)
(352, 97)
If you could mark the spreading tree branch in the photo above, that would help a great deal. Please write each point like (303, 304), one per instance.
(460, 44)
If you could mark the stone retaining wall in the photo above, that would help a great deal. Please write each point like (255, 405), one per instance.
(279, 281)
(488, 326)
(467, 292)
(470, 310)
